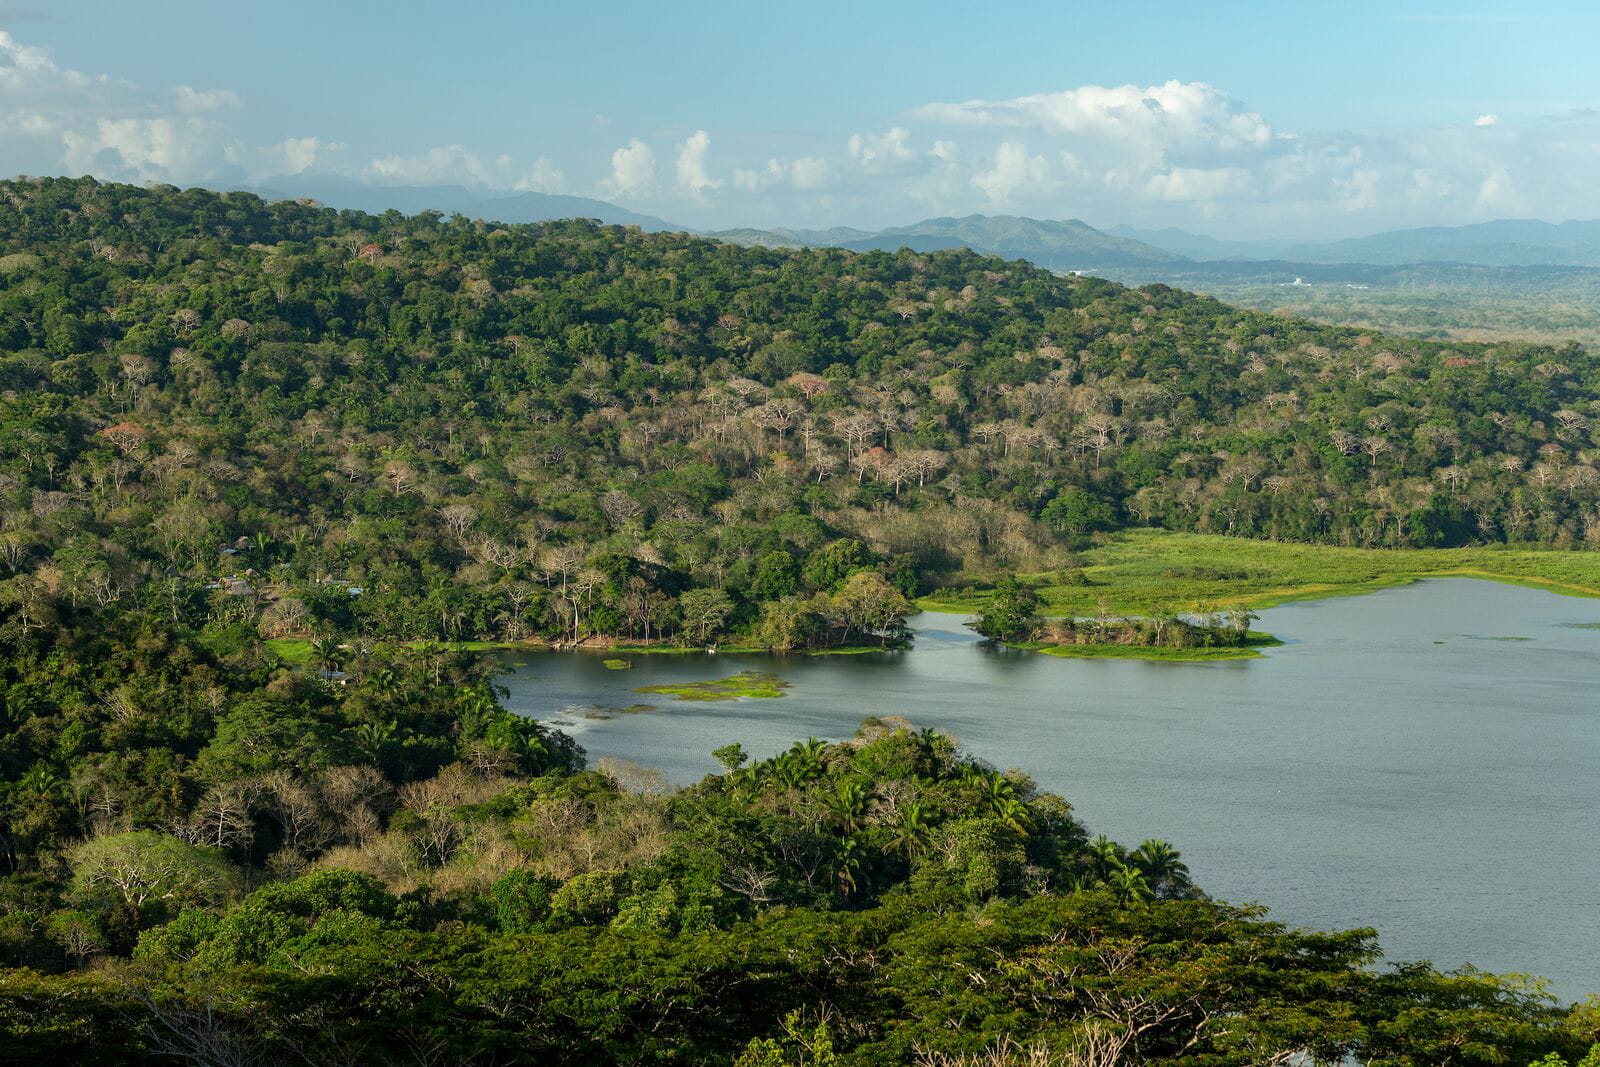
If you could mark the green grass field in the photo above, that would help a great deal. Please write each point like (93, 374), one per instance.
(1140, 570)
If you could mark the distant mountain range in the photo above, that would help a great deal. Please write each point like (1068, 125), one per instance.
(1069, 245)
(1057, 245)
(455, 200)
(1501, 243)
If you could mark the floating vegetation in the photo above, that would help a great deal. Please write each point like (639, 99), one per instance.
(1581, 625)
(1481, 637)
(602, 712)
(754, 685)
(615, 664)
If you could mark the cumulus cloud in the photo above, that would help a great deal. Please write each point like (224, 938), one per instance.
(162, 149)
(293, 155)
(693, 179)
(806, 174)
(1171, 115)
(54, 118)
(633, 170)
(1014, 174)
(883, 153)
(543, 177)
(1486, 120)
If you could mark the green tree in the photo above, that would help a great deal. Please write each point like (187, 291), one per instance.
(1012, 613)
(145, 869)
(704, 611)
(870, 605)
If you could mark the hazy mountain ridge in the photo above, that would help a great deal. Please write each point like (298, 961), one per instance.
(1500, 243)
(1057, 245)
(508, 207)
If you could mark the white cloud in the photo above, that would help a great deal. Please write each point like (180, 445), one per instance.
(693, 179)
(204, 101)
(1202, 184)
(882, 153)
(806, 174)
(754, 180)
(54, 118)
(543, 177)
(163, 149)
(1159, 117)
(633, 170)
(454, 164)
(1486, 120)
(1014, 174)
(293, 155)
(810, 173)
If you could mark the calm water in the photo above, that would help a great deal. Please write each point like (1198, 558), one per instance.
(1425, 760)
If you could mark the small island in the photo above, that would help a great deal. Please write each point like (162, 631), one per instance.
(1204, 634)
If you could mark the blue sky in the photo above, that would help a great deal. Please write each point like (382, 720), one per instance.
(1240, 119)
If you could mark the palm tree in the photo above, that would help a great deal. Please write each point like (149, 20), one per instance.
(811, 752)
(371, 737)
(848, 805)
(385, 683)
(1015, 814)
(788, 770)
(912, 831)
(328, 655)
(430, 657)
(1105, 857)
(1129, 885)
(850, 860)
(1162, 865)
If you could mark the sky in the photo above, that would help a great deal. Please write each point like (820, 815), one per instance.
(1239, 120)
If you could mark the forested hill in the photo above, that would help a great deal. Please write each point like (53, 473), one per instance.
(421, 426)
(221, 418)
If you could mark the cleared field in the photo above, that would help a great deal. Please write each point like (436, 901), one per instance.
(1140, 571)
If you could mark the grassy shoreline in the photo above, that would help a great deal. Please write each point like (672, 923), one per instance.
(1140, 570)
(1255, 641)
(296, 651)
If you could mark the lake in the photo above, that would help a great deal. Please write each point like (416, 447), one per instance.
(1425, 759)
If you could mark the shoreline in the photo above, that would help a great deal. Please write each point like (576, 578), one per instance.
(296, 651)
(1138, 569)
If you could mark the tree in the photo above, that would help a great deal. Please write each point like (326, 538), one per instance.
(1011, 613)
(144, 868)
(870, 605)
(776, 576)
(1078, 511)
(703, 611)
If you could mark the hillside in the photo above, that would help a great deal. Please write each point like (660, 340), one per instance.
(462, 421)
(224, 420)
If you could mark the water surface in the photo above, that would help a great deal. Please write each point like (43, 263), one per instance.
(1425, 760)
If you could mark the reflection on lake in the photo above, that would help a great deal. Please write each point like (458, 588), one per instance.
(1425, 760)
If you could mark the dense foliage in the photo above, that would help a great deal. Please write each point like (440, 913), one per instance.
(425, 427)
(222, 419)
(218, 861)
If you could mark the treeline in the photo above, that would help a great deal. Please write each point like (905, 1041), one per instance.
(209, 858)
(320, 422)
